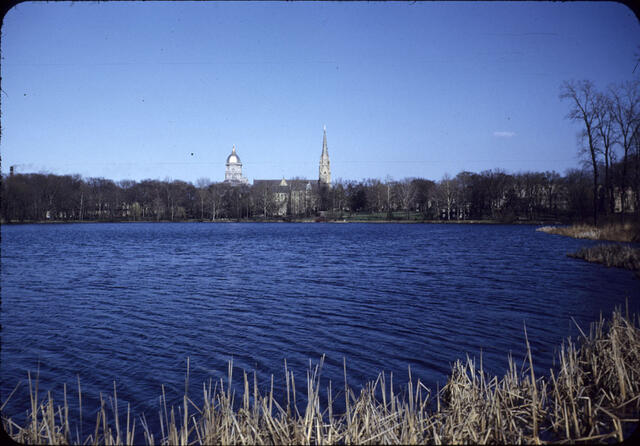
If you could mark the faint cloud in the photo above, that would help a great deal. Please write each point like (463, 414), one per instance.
(504, 134)
(521, 34)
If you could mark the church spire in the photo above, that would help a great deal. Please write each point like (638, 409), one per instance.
(325, 151)
(325, 168)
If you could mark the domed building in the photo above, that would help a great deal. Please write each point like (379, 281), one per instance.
(233, 172)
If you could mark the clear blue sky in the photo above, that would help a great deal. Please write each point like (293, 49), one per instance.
(130, 90)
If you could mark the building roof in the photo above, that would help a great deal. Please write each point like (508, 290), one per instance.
(233, 158)
(284, 185)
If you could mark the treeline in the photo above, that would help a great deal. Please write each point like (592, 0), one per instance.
(488, 195)
(609, 141)
(608, 186)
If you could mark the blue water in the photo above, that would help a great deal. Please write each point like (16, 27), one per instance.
(131, 302)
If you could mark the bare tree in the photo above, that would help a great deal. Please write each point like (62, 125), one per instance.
(552, 186)
(202, 185)
(264, 194)
(216, 195)
(447, 192)
(604, 125)
(636, 170)
(338, 195)
(582, 98)
(406, 194)
(376, 194)
(625, 113)
(388, 182)
(423, 190)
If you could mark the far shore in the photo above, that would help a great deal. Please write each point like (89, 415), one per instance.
(297, 220)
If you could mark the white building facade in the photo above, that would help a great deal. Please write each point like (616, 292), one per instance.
(233, 171)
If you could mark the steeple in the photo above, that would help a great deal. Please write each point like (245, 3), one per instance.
(325, 167)
(325, 151)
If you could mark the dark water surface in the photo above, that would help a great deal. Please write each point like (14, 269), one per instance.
(130, 302)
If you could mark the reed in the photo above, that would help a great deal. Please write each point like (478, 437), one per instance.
(594, 395)
(628, 232)
(619, 256)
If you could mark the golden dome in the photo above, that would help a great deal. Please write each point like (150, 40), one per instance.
(233, 158)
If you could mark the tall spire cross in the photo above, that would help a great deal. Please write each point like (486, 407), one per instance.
(324, 142)
(325, 170)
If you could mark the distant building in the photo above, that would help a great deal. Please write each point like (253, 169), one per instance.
(297, 196)
(287, 197)
(233, 172)
(629, 198)
(325, 166)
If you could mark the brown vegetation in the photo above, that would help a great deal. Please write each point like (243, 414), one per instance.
(593, 396)
(620, 256)
(627, 232)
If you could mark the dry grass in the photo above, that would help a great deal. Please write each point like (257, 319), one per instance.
(594, 395)
(620, 256)
(629, 232)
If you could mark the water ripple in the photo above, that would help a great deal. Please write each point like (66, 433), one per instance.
(131, 302)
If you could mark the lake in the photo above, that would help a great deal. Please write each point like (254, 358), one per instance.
(131, 302)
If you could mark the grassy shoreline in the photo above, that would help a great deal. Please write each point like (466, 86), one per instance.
(628, 232)
(618, 256)
(594, 395)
